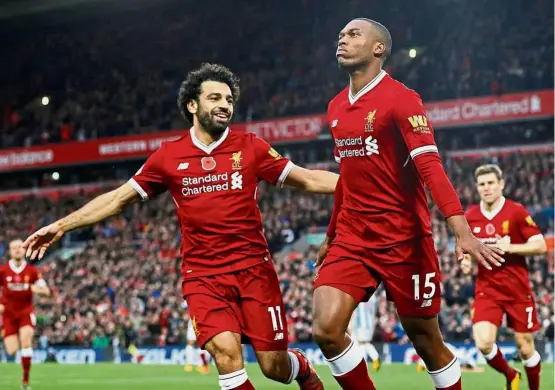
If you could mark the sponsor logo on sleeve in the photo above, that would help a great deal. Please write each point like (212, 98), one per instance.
(419, 124)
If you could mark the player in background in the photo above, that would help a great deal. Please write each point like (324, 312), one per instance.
(229, 280)
(380, 231)
(194, 355)
(19, 281)
(506, 290)
(362, 326)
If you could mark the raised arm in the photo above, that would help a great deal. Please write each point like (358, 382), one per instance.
(98, 209)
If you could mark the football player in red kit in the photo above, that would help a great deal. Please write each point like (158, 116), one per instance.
(19, 281)
(506, 290)
(229, 281)
(380, 229)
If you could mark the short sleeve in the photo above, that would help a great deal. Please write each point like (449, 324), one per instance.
(411, 119)
(150, 178)
(528, 228)
(270, 165)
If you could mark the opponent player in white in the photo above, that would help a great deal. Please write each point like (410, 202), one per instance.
(194, 355)
(362, 326)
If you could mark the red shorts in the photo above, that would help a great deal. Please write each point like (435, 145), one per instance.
(522, 317)
(409, 271)
(247, 302)
(12, 324)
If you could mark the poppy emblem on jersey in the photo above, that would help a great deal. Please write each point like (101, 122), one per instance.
(490, 229)
(370, 121)
(419, 124)
(236, 158)
(208, 163)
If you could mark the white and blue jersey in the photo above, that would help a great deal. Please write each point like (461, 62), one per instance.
(363, 321)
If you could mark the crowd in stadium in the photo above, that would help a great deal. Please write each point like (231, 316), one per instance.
(124, 278)
(123, 72)
(127, 274)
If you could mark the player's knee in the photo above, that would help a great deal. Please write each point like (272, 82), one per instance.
(10, 350)
(526, 346)
(484, 345)
(325, 334)
(228, 358)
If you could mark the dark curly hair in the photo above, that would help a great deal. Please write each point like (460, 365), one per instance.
(190, 87)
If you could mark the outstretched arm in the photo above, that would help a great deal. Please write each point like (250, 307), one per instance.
(98, 209)
(316, 181)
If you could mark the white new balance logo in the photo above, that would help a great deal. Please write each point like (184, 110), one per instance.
(236, 181)
(182, 166)
(371, 146)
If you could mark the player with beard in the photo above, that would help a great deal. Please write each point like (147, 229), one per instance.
(380, 229)
(229, 281)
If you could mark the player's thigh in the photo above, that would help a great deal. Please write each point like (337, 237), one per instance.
(211, 307)
(225, 348)
(485, 334)
(342, 282)
(412, 278)
(522, 317)
(26, 333)
(11, 344)
(261, 308)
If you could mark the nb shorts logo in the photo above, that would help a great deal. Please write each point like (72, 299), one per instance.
(371, 146)
(236, 181)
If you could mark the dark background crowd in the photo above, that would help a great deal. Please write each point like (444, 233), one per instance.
(82, 74)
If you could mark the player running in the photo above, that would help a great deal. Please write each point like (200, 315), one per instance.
(362, 326)
(19, 281)
(380, 230)
(194, 356)
(229, 281)
(505, 291)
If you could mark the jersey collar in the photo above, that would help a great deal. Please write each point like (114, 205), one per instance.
(208, 148)
(15, 268)
(491, 214)
(368, 87)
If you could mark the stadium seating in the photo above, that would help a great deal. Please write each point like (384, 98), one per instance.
(123, 73)
(129, 268)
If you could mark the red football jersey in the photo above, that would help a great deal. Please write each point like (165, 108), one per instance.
(376, 133)
(214, 189)
(16, 283)
(511, 280)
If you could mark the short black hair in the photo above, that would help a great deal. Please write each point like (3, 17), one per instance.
(384, 34)
(190, 87)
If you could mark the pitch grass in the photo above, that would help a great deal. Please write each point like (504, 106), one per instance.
(142, 377)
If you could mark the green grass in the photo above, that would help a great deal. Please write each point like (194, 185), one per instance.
(139, 377)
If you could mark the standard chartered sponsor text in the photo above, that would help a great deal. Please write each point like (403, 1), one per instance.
(205, 184)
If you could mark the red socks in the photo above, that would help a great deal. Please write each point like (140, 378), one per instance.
(356, 379)
(349, 369)
(533, 369)
(496, 360)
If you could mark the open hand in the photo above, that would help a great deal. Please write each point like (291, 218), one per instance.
(485, 255)
(37, 243)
